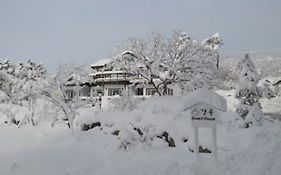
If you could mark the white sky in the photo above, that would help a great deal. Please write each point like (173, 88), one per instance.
(83, 31)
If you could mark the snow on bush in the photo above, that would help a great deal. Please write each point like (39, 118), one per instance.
(157, 120)
(13, 114)
(19, 85)
(268, 91)
(125, 102)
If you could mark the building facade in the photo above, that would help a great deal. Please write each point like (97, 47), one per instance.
(106, 83)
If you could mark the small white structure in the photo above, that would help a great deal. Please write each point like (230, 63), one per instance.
(204, 106)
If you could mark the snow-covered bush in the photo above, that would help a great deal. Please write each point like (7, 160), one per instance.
(248, 93)
(124, 102)
(157, 121)
(133, 136)
(267, 88)
(47, 112)
(20, 84)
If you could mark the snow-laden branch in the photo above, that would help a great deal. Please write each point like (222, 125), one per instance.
(161, 61)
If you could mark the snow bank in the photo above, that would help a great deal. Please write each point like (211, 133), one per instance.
(44, 150)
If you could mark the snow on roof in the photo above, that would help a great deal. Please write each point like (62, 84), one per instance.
(127, 52)
(204, 96)
(101, 62)
(107, 72)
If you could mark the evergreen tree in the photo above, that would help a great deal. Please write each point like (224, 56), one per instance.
(248, 93)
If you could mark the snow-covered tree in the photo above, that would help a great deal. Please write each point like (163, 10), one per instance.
(55, 90)
(31, 77)
(214, 42)
(228, 73)
(160, 62)
(248, 93)
(20, 83)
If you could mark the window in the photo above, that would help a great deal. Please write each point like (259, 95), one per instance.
(139, 91)
(169, 91)
(114, 91)
(108, 68)
(70, 94)
(85, 91)
(150, 91)
(107, 76)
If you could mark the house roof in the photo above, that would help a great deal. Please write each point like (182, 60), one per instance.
(204, 96)
(127, 52)
(101, 62)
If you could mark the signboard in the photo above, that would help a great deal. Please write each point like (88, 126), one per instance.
(204, 105)
(203, 115)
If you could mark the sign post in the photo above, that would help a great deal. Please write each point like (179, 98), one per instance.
(196, 146)
(215, 141)
(204, 105)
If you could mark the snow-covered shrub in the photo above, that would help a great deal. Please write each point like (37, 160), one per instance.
(124, 102)
(15, 114)
(47, 112)
(248, 93)
(134, 135)
(156, 122)
(267, 89)
(21, 84)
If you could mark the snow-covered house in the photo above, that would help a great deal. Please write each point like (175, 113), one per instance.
(108, 82)
(84, 89)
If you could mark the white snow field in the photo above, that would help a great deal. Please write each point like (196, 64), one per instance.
(58, 150)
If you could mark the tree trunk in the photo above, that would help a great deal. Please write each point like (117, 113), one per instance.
(218, 61)
(31, 107)
(156, 88)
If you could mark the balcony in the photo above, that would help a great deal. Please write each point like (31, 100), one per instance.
(110, 76)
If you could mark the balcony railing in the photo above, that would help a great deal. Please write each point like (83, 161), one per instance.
(114, 78)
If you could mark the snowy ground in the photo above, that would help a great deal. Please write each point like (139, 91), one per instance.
(61, 151)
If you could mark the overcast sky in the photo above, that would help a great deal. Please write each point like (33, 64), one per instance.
(83, 31)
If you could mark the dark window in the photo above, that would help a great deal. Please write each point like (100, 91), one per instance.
(70, 94)
(107, 76)
(150, 91)
(114, 91)
(85, 91)
(139, 91)
(169, 91)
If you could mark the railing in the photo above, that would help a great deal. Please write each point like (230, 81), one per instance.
(110, 77)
